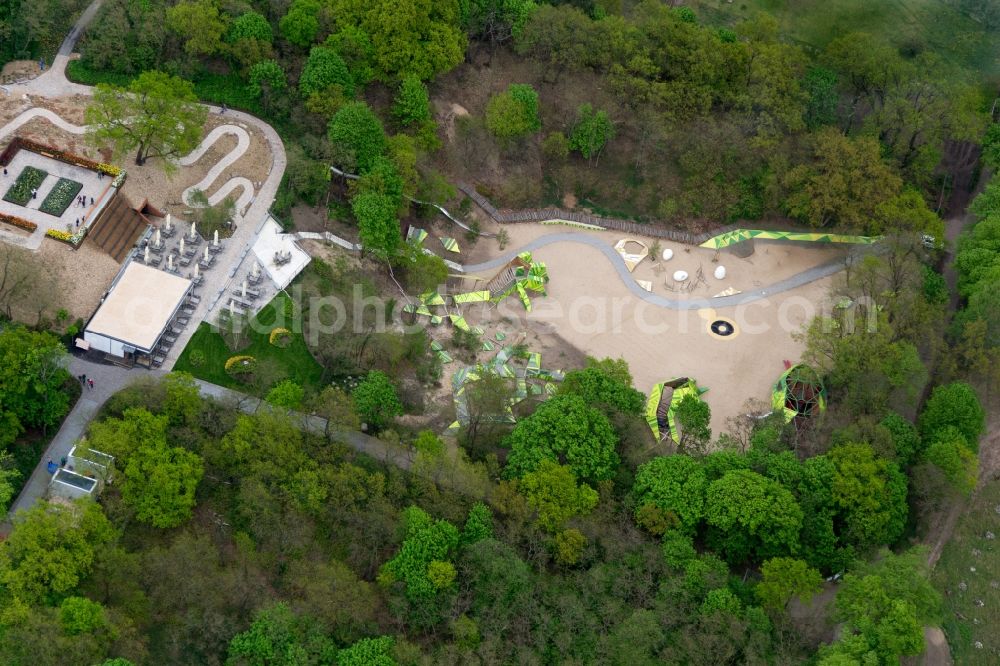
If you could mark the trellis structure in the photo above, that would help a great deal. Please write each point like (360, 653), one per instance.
(799, 393)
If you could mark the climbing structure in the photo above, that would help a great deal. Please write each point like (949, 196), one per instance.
(799, 393)
(662, 405)
(521, 274)
(515, 363)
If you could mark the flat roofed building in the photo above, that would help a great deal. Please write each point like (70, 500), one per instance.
(137, 311)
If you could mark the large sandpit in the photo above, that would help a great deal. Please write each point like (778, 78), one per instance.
(590, 308)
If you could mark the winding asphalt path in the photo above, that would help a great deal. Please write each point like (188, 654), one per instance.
(793, 282)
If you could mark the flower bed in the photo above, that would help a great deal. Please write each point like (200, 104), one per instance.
(29, 179)
(60, 196)
(17, 143)
(18, 222)
(67, 237)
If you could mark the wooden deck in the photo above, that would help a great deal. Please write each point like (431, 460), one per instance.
(118, 228)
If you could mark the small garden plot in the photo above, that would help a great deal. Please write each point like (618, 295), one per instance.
(60, 197)
(29, 179)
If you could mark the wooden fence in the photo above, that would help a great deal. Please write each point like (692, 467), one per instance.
(625, 226)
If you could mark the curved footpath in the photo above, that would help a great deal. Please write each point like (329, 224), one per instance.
(242, 144)
(797, 280)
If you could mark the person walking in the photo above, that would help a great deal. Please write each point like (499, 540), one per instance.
(34, 193)
(51, 466)
(90, 382)
(82, 378)
(5, 171)
(91, 201)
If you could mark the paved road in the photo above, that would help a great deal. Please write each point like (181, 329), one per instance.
(108, 379)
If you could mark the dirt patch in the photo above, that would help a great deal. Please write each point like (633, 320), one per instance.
(569, 201)
(19, 70)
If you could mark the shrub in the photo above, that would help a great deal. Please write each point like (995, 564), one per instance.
(18, 222)
(280, 337)
(29, 179)
(58, 199)
(197, 358)
(240, 366)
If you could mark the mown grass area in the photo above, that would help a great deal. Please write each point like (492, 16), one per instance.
(293, 362)
(968, 577)
(911, 25)
(228, 89)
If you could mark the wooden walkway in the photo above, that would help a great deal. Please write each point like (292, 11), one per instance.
(616, 224)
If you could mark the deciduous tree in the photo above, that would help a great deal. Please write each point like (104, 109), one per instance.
(200, 24)
(513, 114)
(565, 430)
(552, 491)
(375, 399)
(676, 485)
(157, 116)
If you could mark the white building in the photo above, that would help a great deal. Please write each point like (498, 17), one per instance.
(136, 312)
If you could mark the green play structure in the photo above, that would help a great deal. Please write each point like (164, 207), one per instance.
(740, 235)
(522, 366)
(799, 393)
(662, 405)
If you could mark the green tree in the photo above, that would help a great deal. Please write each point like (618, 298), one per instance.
(323, 69)
(250, 25)
(358, 131)
(51, 549)
(870, 493)
(844, 184)
(200, 24)
(300, 24)
(496, 21)
(31, 382)
(905, 438)
(378, 226)
(266, 80)
(694, 418)
(513, 114)
(376, 400)
(821, 86)
(785, 577)
(888, 603)
(421, 37)
(605, 384)
(422, 272)
(279, 637)
(951, 454)
(8, 475)
(157, 116)
(368, 652)
(907, 214)
(79, 615)
(565, 430)
(427, 541)
(249, 38)
(592, 131)
(479, 525)
(159, 481)
(676, 485)
(568, 546)
(412, 104)
(955, 405)
(752, 516)
(552, 491)
(555, 146)
(286, 394)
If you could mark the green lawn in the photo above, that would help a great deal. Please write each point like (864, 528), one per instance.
(924, 24)
(968, 577)
(294, 362)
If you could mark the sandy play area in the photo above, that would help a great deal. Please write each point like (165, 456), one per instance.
(590, 308)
